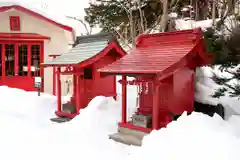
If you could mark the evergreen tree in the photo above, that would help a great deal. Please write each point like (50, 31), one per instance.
(227, 52)
(113, 15)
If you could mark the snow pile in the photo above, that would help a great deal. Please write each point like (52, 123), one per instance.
(182, 24)
(205, 88)
(26, 105)
(22, 117)
(197, 136)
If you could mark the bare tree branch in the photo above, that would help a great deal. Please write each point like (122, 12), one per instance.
(88, 31)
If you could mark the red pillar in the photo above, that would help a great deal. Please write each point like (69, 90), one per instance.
(54, 80)
(16, 60)
(59, 96)
(74, 86)
(29, 60)
(115, 88)
(124, 100)
(3, 61)
(78, 93)
(155, 111)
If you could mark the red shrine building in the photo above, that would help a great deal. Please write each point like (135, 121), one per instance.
(82, 62)
(163, 65)
(27, 39)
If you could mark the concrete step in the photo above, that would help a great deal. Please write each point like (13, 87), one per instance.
(126, 139)
(132, 132)
(60, 119)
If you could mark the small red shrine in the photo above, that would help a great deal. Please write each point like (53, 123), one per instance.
(163, 65)
(82, 61)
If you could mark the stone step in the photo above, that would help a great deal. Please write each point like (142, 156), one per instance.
(135, 133)
(126, 139)
(60, 119)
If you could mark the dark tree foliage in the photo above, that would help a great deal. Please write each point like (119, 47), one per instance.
(112, 14)
(227, 55)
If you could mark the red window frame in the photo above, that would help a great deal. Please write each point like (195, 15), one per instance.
(15, 23)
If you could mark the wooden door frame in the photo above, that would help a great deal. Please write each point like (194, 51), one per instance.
(28, 43)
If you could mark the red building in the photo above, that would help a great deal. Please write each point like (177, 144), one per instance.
(163, 65)
(26, 40)
(82, 61)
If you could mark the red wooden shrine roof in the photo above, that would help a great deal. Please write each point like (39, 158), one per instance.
(35, 14)
(158, 53)
(29, 36)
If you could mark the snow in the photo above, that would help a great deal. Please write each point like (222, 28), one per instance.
(193, 137)
(182, 24)
(48, 9)
(27, 133)
(205, 87)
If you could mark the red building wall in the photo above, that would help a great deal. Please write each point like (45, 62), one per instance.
(183, 91)
(104, 85)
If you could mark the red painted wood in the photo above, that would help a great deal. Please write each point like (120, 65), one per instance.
(129, 125)
(36, 15)
(15, 23)
(41, 61)
(84, 90)
(59, 95)
(64, 114)
(124, 100)
(25, 83)
(23, 36)
(54, 80)
(156, 53)
(155, 110)
(29, 60)
(16, 59)
(3, 63)
(78, 94)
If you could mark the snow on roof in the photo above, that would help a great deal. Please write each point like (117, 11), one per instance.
(182, 24)
(38, 8)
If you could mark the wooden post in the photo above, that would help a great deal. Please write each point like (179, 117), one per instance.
(78, 93)
(3, 61)
(16, 56)
(124, 100)
(59, 96)
(29, 60)
(155, 110)
(54, 79)
(74, 86)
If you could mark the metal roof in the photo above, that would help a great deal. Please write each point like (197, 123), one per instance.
(156, 52)
(85, 48)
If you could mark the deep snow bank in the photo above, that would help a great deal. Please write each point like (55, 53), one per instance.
(205, 87)
(197, 137)
(16, 103)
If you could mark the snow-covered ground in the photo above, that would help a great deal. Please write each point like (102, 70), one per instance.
(27, 133)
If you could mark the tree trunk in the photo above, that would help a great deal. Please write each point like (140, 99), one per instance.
(214, 13)
(164, 20)
(141, 16)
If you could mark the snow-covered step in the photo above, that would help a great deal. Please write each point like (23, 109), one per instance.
(135, 133)
(128, 136)
(127, 139)
(60, 119)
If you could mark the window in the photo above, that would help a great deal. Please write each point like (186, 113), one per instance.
(87, 73)
(35, 60)
(23, 60)
(9, 59)
(15, 23)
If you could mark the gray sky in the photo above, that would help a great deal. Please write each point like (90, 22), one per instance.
(58, 9)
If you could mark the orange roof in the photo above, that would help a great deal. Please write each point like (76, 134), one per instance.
(155, 53)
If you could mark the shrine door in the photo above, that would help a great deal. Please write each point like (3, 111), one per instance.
(20, 63)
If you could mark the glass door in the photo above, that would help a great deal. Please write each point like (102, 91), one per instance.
(19, 64)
